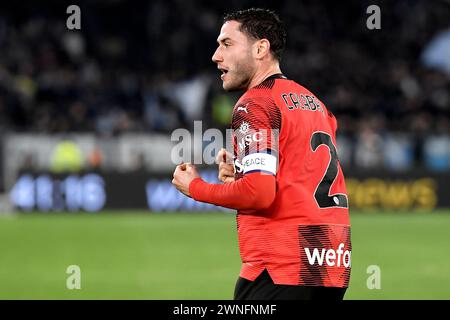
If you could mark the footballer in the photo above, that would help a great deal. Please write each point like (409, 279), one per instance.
(285, 179)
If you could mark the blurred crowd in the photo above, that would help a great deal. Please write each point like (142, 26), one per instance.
(146, 66)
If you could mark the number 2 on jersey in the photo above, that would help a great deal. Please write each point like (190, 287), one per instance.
(322, 193)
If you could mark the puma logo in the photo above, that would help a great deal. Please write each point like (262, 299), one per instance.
(242, 109)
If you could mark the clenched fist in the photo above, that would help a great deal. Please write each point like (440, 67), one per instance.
(183, 176)
(226, 168)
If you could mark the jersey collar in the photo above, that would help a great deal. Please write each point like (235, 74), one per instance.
(276, 76)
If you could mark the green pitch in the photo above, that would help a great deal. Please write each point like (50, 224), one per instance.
(194, 256)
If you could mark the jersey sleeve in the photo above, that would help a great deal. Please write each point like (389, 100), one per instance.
(252, 192)
(256, 124)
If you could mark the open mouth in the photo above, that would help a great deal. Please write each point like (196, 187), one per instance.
(223, 71)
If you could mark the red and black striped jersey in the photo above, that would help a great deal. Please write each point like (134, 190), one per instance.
(303, 238)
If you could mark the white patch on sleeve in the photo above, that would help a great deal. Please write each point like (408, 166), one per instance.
(260, 162)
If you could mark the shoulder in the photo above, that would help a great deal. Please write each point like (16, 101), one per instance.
(256, 103)
(258, 111)
(259, 97)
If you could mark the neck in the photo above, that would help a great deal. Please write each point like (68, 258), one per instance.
(263, 74)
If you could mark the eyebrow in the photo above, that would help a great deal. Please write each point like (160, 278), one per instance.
(223, 40)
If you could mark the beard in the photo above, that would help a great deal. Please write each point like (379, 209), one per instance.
(239, 76)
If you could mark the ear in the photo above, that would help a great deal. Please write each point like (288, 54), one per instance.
(262, 48)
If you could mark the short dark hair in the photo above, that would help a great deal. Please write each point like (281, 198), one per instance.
(261, 24)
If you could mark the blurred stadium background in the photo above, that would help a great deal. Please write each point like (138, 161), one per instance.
(86, 118)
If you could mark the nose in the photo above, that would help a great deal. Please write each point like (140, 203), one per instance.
(217, 57)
